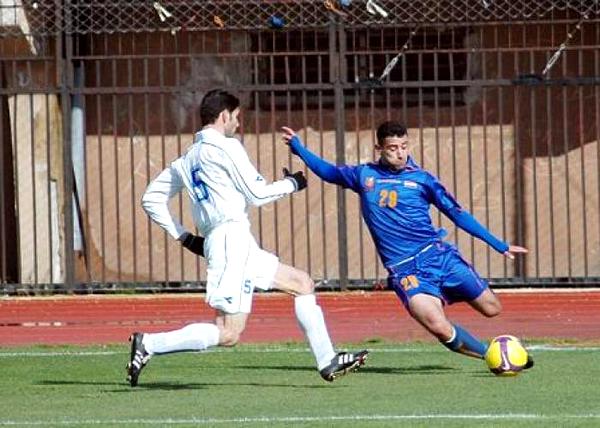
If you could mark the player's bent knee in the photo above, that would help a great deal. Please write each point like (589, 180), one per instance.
(492, 309)
(305, 284)
(487, 304)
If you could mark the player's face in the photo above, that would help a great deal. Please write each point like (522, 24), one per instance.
(231, 122)
(394, 151)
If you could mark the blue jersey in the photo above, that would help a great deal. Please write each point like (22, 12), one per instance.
(395, 204)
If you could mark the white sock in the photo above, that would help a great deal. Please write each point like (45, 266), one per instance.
(310, 318)
(192, 337)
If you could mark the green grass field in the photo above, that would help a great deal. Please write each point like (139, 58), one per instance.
(277, 386)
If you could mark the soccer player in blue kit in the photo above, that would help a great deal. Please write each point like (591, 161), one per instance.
(425, 272)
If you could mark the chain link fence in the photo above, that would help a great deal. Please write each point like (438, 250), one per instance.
(84, 17)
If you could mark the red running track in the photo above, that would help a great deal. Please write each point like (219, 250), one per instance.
(351, 317)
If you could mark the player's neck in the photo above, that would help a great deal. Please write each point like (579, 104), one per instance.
(216, 126)
(391, 167)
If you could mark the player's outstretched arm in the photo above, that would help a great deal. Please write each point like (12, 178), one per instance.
(513, 250)
(323, 169)
(251, 183)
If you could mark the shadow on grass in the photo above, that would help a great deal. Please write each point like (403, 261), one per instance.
(427, 369)
(421, 369)
(175, 385)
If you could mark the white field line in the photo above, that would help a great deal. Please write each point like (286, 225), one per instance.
(302, 419)
(537, 348)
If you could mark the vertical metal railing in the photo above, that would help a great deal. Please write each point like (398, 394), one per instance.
(523, 156)
(64, 55)
(337, 73)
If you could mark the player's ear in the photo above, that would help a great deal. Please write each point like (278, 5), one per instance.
(224, 116)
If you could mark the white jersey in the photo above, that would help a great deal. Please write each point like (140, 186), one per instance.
(220, 180)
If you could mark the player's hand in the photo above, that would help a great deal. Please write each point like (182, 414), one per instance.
(514, 250)
(298, 178)
(192, 242)
(288, 134)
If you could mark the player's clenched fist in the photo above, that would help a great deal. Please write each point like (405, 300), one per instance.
(298, 178)
(192, 242)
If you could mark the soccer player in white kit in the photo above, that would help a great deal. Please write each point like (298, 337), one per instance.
(222, 183)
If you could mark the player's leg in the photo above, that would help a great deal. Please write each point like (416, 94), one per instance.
(193, 337)
(227, 292)
(487, 303)
(463, 284)
(419, 284)
(429, 312)
(230, 327)
(308, 312)
(198, 336)
(312, 322)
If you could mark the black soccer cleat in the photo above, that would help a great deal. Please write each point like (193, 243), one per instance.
(529, 363)
(137, 359)
(343, 363)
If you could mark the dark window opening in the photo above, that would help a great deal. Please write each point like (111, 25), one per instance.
(302, 58)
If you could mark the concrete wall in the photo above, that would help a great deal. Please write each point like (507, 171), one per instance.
(36, 129)
(118, 170)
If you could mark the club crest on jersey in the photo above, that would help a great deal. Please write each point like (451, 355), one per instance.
(370, 183)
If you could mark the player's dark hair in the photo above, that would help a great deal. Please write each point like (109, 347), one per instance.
(214, 102)
(390, 129)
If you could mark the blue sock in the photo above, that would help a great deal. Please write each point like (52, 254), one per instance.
(464, 343)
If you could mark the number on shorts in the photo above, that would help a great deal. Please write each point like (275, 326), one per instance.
(247, 286)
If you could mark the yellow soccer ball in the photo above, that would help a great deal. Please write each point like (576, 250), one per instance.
(506, 356)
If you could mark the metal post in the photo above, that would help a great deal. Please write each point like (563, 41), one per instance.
(64, 55)
(336, 76)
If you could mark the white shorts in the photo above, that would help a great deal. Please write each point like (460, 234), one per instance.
(236, 265)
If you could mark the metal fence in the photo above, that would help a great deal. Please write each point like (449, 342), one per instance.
(502, 102)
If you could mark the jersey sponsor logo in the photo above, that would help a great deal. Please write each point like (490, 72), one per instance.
(411, 184)
(409, 282)
(369, 183)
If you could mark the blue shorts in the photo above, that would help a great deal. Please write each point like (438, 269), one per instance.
(438, 270)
